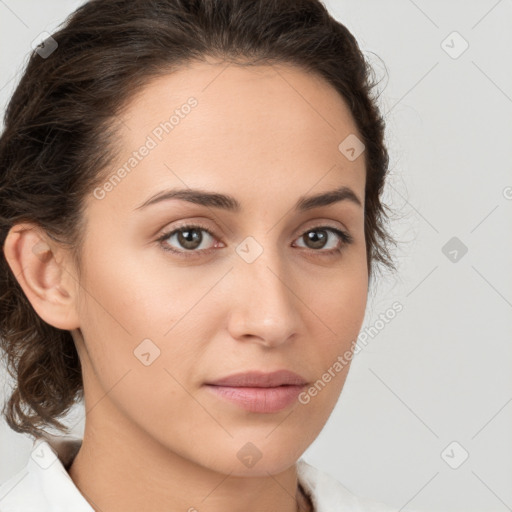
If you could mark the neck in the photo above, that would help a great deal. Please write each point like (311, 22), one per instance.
(121, 468)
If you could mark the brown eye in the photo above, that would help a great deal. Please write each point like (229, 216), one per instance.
(186, 239)
(315, 239)
(318, 238)
(189, 238)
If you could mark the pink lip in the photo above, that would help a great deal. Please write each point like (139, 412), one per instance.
(258, 391)
(263, 400)
(258, 379)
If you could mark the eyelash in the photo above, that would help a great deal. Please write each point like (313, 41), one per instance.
(346, 239)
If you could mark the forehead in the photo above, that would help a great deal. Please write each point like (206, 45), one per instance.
(266, 98)
(251, 128)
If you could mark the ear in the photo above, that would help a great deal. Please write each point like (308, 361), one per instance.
(43, 270)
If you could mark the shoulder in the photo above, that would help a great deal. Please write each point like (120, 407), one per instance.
(328, 494)
(18, 493)
(43, 485)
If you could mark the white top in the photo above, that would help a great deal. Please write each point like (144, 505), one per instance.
(44, 484)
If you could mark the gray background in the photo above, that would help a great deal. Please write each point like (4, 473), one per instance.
(440, 371)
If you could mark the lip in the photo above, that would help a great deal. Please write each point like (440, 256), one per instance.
(258, 391)
(258, 379)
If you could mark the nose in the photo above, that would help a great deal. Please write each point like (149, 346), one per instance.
(264, 306)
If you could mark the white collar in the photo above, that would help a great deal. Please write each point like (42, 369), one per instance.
(44, 484)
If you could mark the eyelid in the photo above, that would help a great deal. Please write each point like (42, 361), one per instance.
(343, 234)
(322, 223)
(190, 225)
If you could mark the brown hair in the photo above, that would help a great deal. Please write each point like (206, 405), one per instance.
(59, 139)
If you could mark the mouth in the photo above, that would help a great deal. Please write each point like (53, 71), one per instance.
(258, 391)
(257, 379)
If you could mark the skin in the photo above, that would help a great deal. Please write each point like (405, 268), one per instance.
(154, 436)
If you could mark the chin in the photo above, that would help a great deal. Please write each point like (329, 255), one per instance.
(264, 458)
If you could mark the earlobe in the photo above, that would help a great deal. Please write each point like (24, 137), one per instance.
(47, 282)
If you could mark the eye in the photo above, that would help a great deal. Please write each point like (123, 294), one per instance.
(317, 238)
(190, 238)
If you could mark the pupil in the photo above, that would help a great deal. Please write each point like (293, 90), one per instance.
(318, 241)
(190, 238)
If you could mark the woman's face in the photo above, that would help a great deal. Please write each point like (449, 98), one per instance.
(260, 287)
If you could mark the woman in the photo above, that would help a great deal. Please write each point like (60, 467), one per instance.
(190, 221)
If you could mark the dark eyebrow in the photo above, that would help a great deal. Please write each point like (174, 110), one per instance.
(229, 203)
(326, 198)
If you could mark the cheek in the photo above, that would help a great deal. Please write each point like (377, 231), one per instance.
(133, 295)
(342, 303)
(146, 323)
(139, 351)
(340, 307)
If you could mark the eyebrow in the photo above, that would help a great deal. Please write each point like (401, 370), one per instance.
(229, 203)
